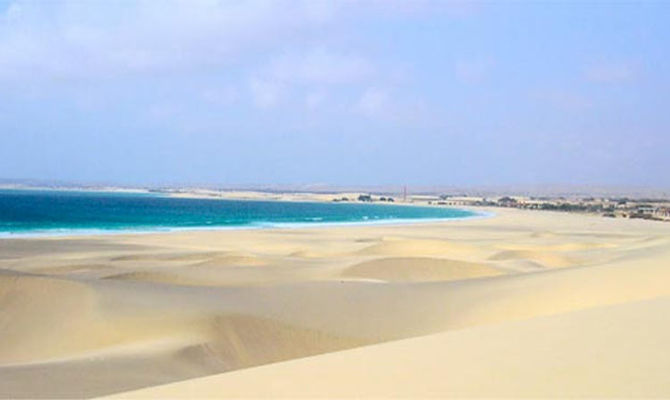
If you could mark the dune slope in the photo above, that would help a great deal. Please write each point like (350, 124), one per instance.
(610, 351)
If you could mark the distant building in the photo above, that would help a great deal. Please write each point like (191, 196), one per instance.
(646, 210)
(507, 202)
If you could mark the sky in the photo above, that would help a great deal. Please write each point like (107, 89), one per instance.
(337, 93)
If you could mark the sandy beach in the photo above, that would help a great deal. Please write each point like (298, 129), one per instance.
(521, 304)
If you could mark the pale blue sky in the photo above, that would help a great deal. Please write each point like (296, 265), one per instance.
(380, 92)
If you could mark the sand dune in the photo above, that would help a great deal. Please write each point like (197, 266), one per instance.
(206, 275)
(418, 269)
(600, 352)
(428, 247)
(542, 258)
(234, 259)
(102, 315)
(31, 305)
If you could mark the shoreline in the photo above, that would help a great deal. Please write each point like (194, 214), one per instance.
(638, 209)
(250, 227)
(253, 225)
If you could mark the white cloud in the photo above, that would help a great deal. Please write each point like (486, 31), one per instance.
(373, 102)
(320, 66)
(272, 51)
(265, 94)
(306, 74)
(74, 39)
(383, 104)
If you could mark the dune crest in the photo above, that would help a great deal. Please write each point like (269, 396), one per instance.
(418, 269)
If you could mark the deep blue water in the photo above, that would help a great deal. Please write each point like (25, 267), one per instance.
(48, 212)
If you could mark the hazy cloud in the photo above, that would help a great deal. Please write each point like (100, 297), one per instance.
(79, 39)
(610, 72)
(74, 39)
(306, 74)
(314, 99)
(373, 102)
(565, 100)
(319, 66)
(265, 94)
(220, 96)
(473, 71)
(209, 79)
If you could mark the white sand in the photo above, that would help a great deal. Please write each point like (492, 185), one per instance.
(522, 304)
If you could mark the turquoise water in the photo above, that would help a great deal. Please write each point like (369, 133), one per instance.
(53, 212)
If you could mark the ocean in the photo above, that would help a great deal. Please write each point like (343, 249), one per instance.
(49, 212)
